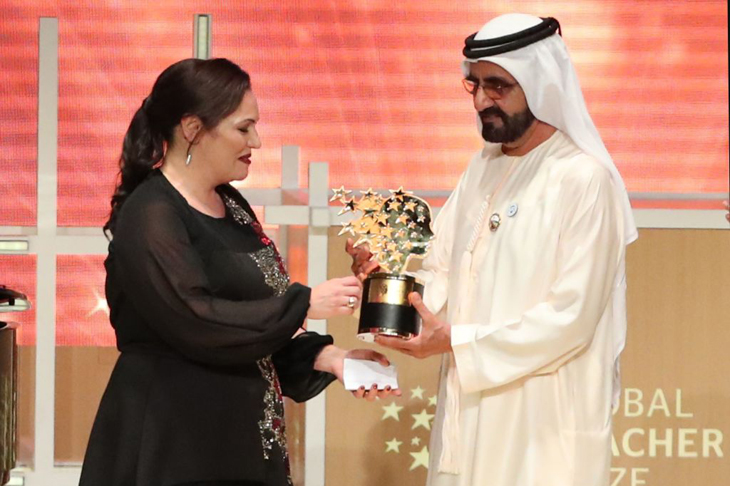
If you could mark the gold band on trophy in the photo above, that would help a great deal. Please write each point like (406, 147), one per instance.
(389, 291)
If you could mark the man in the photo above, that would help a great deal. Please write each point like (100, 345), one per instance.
(525, 283)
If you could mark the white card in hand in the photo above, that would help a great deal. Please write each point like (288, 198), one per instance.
(362, 372)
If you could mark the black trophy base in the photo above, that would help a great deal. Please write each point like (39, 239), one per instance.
(385, 308)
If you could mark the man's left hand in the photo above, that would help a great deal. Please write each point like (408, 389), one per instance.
(435, 337)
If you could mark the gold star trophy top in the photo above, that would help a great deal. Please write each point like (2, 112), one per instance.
(396, 228)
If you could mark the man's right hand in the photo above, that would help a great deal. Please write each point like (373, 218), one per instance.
(361, 264)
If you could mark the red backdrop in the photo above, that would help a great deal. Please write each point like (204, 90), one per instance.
(372, 87)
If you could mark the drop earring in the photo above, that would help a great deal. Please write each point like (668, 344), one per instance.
(190, 156)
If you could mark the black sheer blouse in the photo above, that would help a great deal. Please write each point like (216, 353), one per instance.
(204, 315)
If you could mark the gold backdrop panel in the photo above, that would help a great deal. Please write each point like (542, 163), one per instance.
(673, 420)
(672, 425)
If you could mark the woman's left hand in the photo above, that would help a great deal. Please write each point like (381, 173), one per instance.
(332, 360)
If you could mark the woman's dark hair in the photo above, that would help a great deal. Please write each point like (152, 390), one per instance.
(209, 89)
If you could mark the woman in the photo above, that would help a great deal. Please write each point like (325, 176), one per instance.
(207, 322)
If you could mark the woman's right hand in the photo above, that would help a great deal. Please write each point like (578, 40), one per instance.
(336, 297)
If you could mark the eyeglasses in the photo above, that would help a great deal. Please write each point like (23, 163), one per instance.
(494, 90)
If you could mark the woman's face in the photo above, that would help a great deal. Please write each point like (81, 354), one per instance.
(226, 149)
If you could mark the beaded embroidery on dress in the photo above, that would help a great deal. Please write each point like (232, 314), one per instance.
(239, 214)
(266, 260)
(272, 426)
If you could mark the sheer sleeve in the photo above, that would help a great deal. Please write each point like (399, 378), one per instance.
(295, 366)
(163, 277)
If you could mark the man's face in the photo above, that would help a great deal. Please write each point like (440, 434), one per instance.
(500, 102)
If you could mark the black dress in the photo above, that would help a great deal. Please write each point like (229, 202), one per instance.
(204, 316)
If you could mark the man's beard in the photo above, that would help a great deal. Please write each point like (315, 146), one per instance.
(513, 126)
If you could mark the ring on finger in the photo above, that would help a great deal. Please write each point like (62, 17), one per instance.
(351, 302)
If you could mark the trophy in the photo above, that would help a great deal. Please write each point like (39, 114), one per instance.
(397, 228)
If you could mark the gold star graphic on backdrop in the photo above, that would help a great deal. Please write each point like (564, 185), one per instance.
(420, 458)
(422, 419)
(392, 411)
(418, 439)
(393, 445)
(101, 305)
(417, 392)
